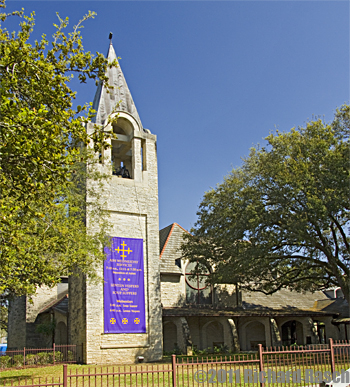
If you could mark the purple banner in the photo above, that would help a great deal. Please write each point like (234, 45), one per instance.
(124, 293)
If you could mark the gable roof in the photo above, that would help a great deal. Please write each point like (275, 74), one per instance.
(60, 304)
(163, 237)
(170, 241)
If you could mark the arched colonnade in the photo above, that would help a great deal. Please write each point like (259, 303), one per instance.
(243, 333)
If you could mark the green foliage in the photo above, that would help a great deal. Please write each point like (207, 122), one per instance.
(43, 358)
(282, 219)
(5, 361)
(30, 359)
(45, 158)
(18, 360)
(200, 352)
(58, 356)
(70, 356)
(47, 328)
(222, 349)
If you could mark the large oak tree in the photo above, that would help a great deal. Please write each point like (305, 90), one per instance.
(282, 219)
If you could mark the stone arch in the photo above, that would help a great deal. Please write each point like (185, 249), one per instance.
(292, 332)
(170, 341)
(213, 334)
(124, 126)
(61, 334)
(128, 151)
(254, 334)
(126, 122)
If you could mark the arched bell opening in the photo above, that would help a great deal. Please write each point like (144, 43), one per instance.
(121, 149)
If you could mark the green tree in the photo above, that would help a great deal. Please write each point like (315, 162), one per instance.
(45, 158)
(282, 219)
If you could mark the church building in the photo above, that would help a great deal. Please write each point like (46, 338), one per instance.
(149, 303)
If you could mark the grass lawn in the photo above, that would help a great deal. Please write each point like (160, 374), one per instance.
(51, 374)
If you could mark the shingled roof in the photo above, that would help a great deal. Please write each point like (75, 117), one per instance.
(283, 299)
(221, 312)
(335, 305)
(60, 304)
(170, 241)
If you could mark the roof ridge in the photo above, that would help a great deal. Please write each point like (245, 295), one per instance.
(54, 303)
(167, 239)
(169, 235)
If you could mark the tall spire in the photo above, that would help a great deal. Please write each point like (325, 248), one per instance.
(104, 102)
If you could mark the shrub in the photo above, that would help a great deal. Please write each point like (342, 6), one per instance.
(18, 360)
(199, 352)
(43, 358)
(58, 356)
(30, 359)
(5, 361)
(221, 349)
(49, 358)
(70, 356)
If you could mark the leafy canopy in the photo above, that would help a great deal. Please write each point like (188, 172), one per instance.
(45, 158)
(282, 219)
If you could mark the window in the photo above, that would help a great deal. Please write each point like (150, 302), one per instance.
(197, 291)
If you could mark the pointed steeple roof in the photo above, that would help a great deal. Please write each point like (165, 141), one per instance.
(104, 102)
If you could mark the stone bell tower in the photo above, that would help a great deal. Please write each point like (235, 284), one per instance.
(117, 321)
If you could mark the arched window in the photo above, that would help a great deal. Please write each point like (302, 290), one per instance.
(197, 291)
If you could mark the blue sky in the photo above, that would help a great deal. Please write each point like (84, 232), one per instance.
(213, 78)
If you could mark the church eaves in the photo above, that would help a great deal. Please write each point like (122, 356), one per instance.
(104, 102)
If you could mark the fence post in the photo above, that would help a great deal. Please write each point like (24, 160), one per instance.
(261, 363)
(53, 353)
(332, 355)
(24, 356)
(65, 378)
(173, 362)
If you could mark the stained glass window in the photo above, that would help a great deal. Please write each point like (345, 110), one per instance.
(197, 291)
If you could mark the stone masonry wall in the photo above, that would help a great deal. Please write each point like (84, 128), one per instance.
(23, 319)
(17, 323)
(77, 313)
(172, 290)
(133, 206)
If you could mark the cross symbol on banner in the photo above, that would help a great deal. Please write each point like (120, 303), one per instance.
(123, 251)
